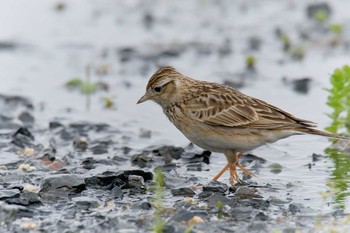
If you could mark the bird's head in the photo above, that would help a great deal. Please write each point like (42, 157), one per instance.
(164, 86)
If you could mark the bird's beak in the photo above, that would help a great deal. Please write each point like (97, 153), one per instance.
(143, 99)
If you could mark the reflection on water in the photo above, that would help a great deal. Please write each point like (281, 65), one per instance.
(340, 179)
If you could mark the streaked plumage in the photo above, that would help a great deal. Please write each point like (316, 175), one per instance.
(220, 118)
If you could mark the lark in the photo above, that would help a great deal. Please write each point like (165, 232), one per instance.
(221, 119)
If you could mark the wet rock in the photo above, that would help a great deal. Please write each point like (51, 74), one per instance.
(316, 7)
(143, 159)
(16, 101)
(145, 205)
(80, 143)
(185, 191)
(169, 152)
(127, 54)
(257, 226)
(278, 202)
(136, 181)
(275, 168)
(23, 138)
(244, 192)
(116, 193)
(26, 118)
(302, 85)
(67, 135)
(83, 127)
(254, 43)
(261, 217)
(12, 193)
(213, 200)
(295, 207)
(204, 156)
(89, 163)
(197, 167)
(25, 199)
(61, 186)
(317, 157)
(215, 187)
(144, 133)
(182, 215)
(256, 203)
(109, 180)
(99, 148)
(7, 45)
(9, 158)
(8, 213)
(85, 203)
(241, 213)
(251, 158)
(54, 125)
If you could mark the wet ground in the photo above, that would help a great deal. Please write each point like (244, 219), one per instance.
(66, 168)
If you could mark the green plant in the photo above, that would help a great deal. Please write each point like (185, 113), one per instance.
(336, 29)
(157, 201)
(339, 100)
(250, 62)
(86, 87)
(320, 16)
(220, 211)
(286, 42)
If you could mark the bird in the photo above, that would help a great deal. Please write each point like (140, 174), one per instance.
(222, 119)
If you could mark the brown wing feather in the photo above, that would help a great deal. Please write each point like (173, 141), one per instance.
(231, 108)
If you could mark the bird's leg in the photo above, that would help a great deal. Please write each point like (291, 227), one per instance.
(221, 172)
(239, 155)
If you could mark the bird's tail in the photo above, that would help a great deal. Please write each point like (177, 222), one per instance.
(322, 133)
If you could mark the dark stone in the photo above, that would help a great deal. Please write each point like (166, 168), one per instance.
(55, 125)
(145, 205)
(250, 158)
(317, 157)
(256, 203)
(295, 207)
(148, 20)
(12, 193)
(83, 127)
(278, 202)
(89, 163)
(302, 85)
(15, 101)
(62, 185)
(136, 181)
(85, 203)
(116, 193)
(185, 191)
(109, 180)
(198, 166)
(25, 199)
(241, 213)
(216, 187)
(80, 143)
(26, 118)
(23, 138)
(261, 217)
(8, 213)
(182, 215)
(313, 8)
(126, 54)
(9, 158)
(244, 192)
(7, 45)
(257, 226)
(204, 156)
(216, 197)
(254, 43)
(142, 160)
(99, 148)
(169, 152)
(67, 135)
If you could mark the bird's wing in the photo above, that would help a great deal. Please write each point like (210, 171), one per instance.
(233, 109)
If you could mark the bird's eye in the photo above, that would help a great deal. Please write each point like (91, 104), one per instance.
(157, 89)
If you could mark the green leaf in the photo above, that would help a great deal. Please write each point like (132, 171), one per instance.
(88, 88)
(74, 83)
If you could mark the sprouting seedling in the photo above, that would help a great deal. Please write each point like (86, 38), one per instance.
(286, 42)
(297, 52)
(320, 16)
(108, 102)
(86, 87)
(339, 100)
(220, 211)
(157, 201)
(336, 29)
(250, 62)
